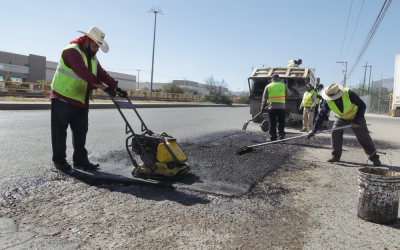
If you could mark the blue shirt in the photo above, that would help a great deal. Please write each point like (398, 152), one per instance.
(354, 98)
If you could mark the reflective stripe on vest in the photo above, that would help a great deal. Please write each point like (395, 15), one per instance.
(67, 83)
(307, 99)
(349, 109)
(276, 92)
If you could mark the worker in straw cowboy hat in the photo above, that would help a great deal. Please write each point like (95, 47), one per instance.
(349, 109)
(78, 74)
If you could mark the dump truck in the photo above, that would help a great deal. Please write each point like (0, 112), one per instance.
(296, 79)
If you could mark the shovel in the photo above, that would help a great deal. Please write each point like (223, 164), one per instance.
(247, 122)
(247, 149)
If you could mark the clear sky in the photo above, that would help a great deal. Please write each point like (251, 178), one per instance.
(196, 39)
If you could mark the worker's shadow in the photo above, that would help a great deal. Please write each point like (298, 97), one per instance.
(145, 189)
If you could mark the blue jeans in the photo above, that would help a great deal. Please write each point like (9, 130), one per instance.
(62, 115)
(273, 114)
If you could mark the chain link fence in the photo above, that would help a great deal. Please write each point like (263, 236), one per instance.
(378, 101)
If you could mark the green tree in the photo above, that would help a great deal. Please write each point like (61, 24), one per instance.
(8, 78)
(216, 89)
(172, 88)
(361, 89)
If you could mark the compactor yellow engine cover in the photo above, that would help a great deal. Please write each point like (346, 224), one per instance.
(164, 156)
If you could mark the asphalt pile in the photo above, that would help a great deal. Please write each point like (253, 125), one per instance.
(216, 160)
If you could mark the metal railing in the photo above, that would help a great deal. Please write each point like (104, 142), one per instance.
(43, 90)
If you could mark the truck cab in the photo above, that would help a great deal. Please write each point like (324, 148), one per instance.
(296, 79)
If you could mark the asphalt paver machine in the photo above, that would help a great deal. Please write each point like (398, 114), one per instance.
(162, 157)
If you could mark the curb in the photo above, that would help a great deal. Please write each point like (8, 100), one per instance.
(47, 106)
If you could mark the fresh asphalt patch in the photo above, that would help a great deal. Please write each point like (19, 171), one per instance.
(215, 167)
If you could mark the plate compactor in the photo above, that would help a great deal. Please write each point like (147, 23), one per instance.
(161, 155)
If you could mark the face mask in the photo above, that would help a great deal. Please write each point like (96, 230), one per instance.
(90, 52)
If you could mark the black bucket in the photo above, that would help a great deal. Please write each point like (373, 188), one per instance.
(378, 195)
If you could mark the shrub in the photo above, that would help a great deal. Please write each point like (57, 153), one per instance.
(243, 99)
(216, 98)
(173, 88)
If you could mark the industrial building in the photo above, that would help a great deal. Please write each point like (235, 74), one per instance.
(32, 68)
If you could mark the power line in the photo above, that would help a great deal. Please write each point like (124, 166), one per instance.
(344, 37)
(354, 31)
(371, 34)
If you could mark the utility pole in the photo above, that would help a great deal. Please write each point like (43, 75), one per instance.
(345, 74)
(380, 90)
(138, 70)
(369, 82)
(365, 73)
(184, 83)
(156, 10)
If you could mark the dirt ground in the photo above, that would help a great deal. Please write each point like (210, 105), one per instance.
(306, 203)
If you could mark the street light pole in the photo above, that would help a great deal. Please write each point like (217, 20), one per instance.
(156, 10)
(138, 70)
(184, 83)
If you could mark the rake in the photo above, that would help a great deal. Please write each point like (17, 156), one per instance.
(247, 149)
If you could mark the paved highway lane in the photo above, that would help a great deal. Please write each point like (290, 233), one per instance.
(25, 143)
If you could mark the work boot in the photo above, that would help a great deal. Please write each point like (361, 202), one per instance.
(333, 159)
(376, 162)
(281, 137)
(63, 166)
(86, 166)
(324, 128)
(271, 139)
(303, 130)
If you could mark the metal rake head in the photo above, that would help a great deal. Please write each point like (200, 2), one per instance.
(244, 150)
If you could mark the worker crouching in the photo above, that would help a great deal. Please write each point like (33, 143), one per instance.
(275, 94)
(349, 109)
(309, 102)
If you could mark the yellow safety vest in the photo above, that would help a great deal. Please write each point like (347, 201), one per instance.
(349, 109)
(67, 83)
(317, 95)
(307, 99)
(276, 92)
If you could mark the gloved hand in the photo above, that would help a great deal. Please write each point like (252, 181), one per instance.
(310, 134)
(312, 109)
(110, 91)
(122, 93)
(300, 108)
(355, 125)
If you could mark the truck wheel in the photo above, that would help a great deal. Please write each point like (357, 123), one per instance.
(264, 126)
